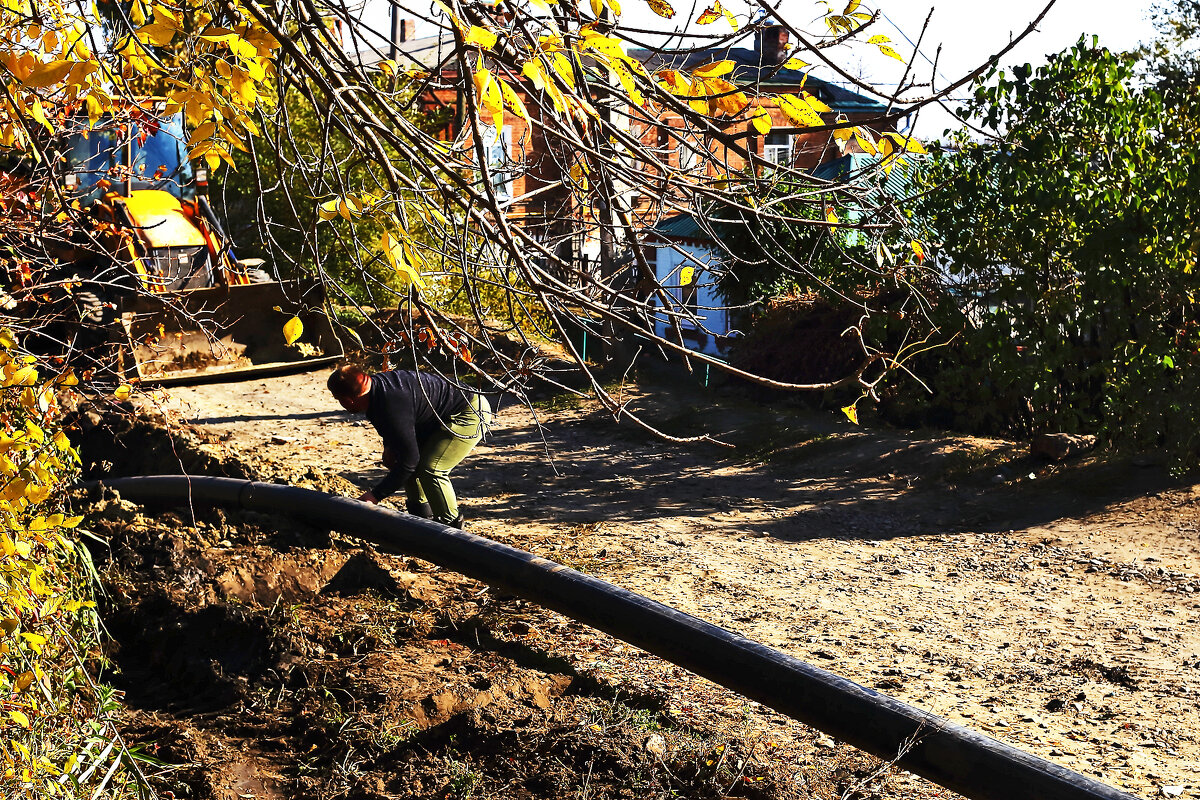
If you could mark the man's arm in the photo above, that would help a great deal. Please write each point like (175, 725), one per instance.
(399, 435)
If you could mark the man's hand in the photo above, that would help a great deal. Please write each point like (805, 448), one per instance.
(389, 458)
(367, 497)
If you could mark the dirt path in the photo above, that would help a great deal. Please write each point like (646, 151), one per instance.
(1052, 608)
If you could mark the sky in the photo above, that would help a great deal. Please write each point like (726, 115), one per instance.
(969, 32)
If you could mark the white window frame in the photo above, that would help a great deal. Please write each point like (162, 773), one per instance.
(779, 153)
(691, 154)
(501, 166)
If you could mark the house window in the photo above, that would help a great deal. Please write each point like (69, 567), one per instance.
(777, 148)
(690, 155)
(498, 146)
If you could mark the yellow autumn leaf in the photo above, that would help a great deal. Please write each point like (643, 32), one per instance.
(218, 35)
(881, 42)
(158, 34)
(814, 103)
(831, 216)
(733, 23)
(293, 329)
(794, 63)
(760, 118)
(95, 110)
(799, 112)
(19, 718)
(699, 95)
(674, 82)
(123, 391)
(851, 413)
(513, 101)
(25, 376)
(918, 250)
(403, 259)
(662, 8)
(685, 276)
(627, 82)
(329, 209)
(535, 74)
(900, 143)
(491, 100)
(842, 135)
(732, 103)
(38, 112)
(562, 65)
(44, 75)
(888, 51)
(37, 585)
(713, 70)
(480, 37)
(446, 10)
(35, 641)
(863, 137)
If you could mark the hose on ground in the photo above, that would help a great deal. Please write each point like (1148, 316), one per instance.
(960, 759)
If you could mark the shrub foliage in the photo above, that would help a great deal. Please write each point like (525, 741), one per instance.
(1074, 256)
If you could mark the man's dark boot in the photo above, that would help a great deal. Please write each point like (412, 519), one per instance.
(422, 510)
(457, 522)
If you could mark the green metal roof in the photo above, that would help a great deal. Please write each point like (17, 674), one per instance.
(681, 226)
(862, 168)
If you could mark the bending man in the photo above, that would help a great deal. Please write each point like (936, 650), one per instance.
(428, 426)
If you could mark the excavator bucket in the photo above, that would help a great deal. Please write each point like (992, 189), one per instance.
(227, 333)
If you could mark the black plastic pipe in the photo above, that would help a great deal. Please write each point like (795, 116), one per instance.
(955, 757)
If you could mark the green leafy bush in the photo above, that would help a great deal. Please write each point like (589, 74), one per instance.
(1074, 255)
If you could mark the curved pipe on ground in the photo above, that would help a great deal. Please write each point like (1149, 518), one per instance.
(955, 757)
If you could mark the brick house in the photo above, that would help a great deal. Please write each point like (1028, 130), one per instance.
(526, 175)
(760, 68)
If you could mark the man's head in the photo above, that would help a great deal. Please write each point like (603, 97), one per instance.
(351, 387)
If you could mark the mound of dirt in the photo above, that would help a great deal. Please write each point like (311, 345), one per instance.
(830, 352)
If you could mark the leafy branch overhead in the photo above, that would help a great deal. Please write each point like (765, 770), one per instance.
(511, 163)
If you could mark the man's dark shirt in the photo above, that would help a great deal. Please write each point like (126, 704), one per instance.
(405, 407)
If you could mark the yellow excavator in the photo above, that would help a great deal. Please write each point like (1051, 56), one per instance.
(165, 278)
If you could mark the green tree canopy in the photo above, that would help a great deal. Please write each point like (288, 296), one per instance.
(1073, 251)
